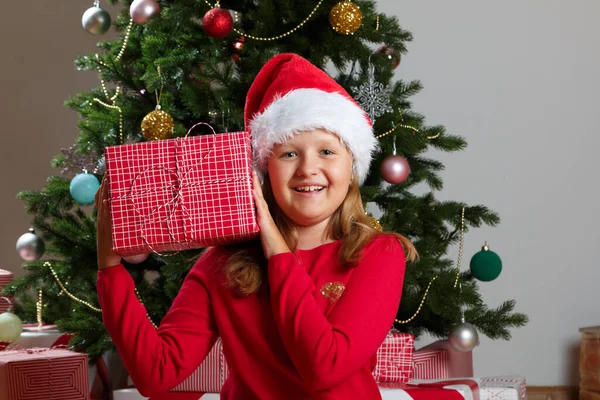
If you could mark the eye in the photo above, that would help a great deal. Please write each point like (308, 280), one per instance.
(327, 152)
(288, 154)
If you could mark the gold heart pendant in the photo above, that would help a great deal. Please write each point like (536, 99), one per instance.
(332, 291)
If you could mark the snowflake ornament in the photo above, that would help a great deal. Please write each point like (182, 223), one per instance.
(373, 96)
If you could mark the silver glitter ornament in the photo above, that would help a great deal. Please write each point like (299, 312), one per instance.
(142, 11)
(30, 246)
(95, 20)
(463, 336)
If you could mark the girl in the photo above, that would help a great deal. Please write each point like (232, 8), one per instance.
(301, 314)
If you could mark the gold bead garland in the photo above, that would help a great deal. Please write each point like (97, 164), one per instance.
(460, 251)
(64, 289)
(268, 39)
(113, 99)
(38, 307)
(400, 125)
(85, 303)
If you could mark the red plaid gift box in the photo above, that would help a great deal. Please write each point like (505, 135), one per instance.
(6, 277)
(395, 358)
(182, 193)
(211, 374)
(49, 374)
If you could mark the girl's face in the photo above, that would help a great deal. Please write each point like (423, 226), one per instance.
(310, 175)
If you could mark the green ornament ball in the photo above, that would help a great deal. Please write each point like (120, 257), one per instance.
(10, 327)
(486, 265)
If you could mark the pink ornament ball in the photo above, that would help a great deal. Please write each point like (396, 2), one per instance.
(395, 169)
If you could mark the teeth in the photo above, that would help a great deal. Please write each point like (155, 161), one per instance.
(309, 188)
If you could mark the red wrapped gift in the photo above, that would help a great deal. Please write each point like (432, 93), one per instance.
(439, 360)
(182, 193)
(431, 364)
(211, 374)
(6, 277)
(395, 358)
(432, 389)
(49, 374)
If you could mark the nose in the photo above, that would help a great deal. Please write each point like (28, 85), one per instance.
(308, 165)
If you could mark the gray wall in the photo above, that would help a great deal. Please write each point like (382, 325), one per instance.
(518, 79)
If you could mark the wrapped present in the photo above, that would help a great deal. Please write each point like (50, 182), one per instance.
(440, 360)
(431, 364)
(133, 394)
(6, 277)
(49, 374)
(432, 389)
(211, 374)
(182, 193)
(45, 336)
(503, 388)
(395, 358)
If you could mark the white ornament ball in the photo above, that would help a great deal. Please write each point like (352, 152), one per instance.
(463, 336)
(142, 11)
(10, 327)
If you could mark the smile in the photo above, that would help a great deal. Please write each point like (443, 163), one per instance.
(309, 189)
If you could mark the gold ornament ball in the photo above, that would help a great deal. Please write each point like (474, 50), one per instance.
(345, 17)
(157, 125)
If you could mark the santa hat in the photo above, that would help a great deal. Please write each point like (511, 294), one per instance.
(290, 95)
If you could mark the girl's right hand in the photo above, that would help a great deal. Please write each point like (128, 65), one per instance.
(106, 256)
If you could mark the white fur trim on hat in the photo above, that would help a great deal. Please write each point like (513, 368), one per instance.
(309, 109)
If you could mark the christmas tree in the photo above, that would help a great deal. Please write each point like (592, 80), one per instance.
(179, 62)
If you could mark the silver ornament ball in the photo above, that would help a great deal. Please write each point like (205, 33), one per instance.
(142, 11)
(463, 336)
(96, 21)
(30, 246)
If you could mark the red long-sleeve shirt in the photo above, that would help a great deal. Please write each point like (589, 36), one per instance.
(287, 341)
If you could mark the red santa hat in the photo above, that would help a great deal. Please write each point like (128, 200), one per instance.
(290, 95)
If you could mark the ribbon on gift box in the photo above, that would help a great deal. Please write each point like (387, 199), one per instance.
(175, 201)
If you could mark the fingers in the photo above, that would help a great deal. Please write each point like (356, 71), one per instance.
(262, 208)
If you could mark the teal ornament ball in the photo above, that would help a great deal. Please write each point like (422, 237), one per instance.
(83, 188)
(486, 265)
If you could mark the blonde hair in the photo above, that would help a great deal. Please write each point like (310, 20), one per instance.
(245, 268)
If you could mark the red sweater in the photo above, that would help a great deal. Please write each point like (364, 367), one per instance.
(287, 341)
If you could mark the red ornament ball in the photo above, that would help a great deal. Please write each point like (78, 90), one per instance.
(390, 54)
(218, 23)
(395, 169)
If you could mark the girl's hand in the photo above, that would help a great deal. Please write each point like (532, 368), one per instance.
(106, 256)
(270, 237)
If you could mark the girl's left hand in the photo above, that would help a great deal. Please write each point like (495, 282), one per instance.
(270, 237)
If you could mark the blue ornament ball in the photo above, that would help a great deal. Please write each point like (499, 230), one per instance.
(84, 187)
